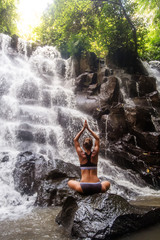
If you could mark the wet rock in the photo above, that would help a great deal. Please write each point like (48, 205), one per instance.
(149, 141)
(116, 124)
(49, 179)
(93, 89)
(129, 85)
(86, 63)
(25, 126)
(54, 189)
(24, 135)
(128, 156)
(103, 72)
(103, 216)
(5, 159)
(140, 118)
(83, 81)
(14, 42)
(97, 217)
(154, 99)
(110, 92)
(127, 104)
(146, 85)
(40, 136)
(29, 170)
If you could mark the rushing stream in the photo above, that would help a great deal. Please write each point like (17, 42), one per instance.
(36, 95)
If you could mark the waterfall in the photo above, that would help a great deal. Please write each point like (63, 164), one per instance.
(39, 114)
(153, 69)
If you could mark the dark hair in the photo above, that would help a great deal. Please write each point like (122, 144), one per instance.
(87, 143)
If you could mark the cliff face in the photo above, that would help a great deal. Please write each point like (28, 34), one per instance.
(126, 105)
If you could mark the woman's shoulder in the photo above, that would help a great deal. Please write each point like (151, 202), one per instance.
(94, 152)
(81, 153)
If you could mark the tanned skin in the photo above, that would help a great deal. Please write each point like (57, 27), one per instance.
(87, 175)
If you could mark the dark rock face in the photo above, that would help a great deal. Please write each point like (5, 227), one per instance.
(109, 92)
(87, 63)
(127, 108)
(146, 85)
(103, 216)
(33, 174)
(28, 172)
(54, 189)
(4, 157)
(15, 42)
(86, 80)
(127, 59)
(127, 155)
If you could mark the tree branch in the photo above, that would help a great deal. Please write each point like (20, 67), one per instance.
(134, 30)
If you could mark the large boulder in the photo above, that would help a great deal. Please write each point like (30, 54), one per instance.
(103, 73)
(102, 216)
(29, 169)
(146, 85)
(85, 80)
(54, 189)
(33, 174)
(110, 92)
(116, 124)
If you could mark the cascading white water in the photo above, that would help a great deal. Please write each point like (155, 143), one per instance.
(153, 69)
(38, 113)
(34, 94)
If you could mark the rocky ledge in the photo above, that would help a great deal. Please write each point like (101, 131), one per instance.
(104, 216)
(99, 216)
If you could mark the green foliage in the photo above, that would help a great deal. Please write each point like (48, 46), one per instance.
(67, 24)
(8, 16)
(150, 10)
(76, 26)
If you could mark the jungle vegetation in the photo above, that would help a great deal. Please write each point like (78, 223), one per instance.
(99, 26)
(8, 16)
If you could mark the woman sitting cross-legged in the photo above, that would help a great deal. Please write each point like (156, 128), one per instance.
(89, 183)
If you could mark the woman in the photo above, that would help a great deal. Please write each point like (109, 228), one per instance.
(88, 159)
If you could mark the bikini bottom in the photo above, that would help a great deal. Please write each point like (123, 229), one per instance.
(90, 188)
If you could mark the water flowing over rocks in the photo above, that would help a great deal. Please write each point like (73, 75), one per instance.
(39, 104)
